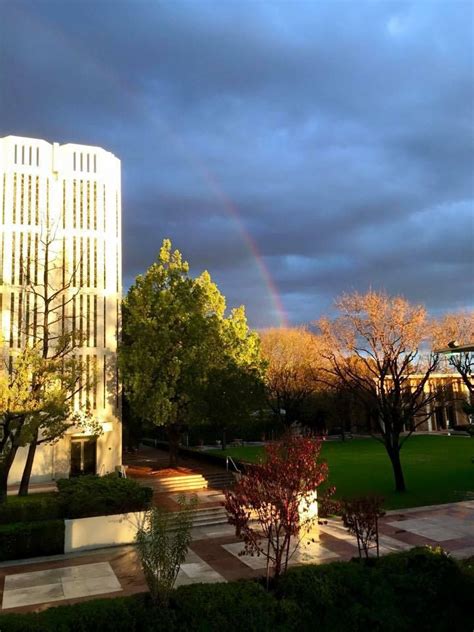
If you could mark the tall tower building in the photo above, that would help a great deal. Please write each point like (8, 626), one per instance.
(60, 211)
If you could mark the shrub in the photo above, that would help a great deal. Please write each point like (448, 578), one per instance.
(243, 605)
(30, 508)
(87, 496)
(162, 546)
(29, 539)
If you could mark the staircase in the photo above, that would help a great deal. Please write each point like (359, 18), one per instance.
(220, 480)
(179, 483)
(208, 516)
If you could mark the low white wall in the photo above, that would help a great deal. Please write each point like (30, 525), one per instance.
(82, 534)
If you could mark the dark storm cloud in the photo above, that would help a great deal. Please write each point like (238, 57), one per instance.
(337, 135)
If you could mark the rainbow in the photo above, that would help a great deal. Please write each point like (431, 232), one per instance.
(195, 163)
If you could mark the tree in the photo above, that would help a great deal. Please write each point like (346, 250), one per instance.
(376, 344)
(458, 328)
(292, 367)
(273, 503)
(41, 379)
(176, 338)
(162, 545)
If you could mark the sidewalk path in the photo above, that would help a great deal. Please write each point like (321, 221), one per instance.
(214, 557)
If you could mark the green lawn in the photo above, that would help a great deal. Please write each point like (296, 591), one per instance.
(437, 469)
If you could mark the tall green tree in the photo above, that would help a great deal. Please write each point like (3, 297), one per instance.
(177, 344)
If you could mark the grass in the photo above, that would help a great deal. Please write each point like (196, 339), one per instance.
(437, 469)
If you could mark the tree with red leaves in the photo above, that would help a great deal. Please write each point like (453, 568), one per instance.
(272, 505)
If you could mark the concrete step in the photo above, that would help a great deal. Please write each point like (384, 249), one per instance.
(206, 516)
(179, 483)
(220, 481)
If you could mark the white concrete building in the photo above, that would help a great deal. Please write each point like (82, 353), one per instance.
(72, 195)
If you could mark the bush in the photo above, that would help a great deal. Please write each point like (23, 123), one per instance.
(243, 605)
(398, 593)
(421, 589)
(87, 496)
(30, 508)
(29, 539)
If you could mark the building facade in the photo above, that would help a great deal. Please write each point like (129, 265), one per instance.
(60, 228)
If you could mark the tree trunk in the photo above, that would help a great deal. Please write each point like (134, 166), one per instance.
(25, 479)
(394, 454)
(173, 438)
(224, 439)
(4, 472)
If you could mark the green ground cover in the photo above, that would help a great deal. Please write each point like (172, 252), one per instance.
(437, 469)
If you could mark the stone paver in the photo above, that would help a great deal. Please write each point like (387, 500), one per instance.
(25, 589)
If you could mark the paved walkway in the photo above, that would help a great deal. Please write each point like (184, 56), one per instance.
(214, 557)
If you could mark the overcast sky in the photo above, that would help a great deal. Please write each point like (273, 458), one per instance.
(308, 147)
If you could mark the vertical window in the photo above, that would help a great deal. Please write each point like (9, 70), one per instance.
(20, 319)
(88, 163)
(63, 271)
(88, 262)
(105, 322)
(22, 154)
(104, 381)
(95, 321)
(64, 203)
(74, 161)
(63, 316)
(95, 204)
(35, 318)
(81, 262)
(36, 262)
(73, 324)
(88, 379)
(13, 258)
(20, 258)
(12, 317)
(94, 382)
(74, 202)
(27, 318)
(88, 321)
(81, 203)
(29, 198)
(15, 180)
(28, 259)
(37, 197)
(95, 163)
(31, 156)
(22, 198)
(37, 157)
(81, 320)
(105, 264)
(16, 154)
(81, 160)
(74, 262)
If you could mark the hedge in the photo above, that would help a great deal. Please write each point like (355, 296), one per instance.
(401, 592)
(30, 508)
(29, 539)
(87, 496)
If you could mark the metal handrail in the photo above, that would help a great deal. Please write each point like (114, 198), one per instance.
(229, 458)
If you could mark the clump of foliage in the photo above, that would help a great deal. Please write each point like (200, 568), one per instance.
(91, 495)
(361, 517)
(274, 501)
(162, 544)
(184, 361)
(421, 590)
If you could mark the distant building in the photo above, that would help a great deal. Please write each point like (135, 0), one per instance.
(74, 192)
(446, 410)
